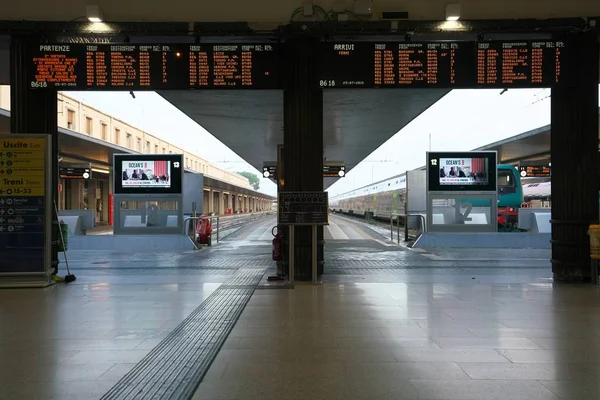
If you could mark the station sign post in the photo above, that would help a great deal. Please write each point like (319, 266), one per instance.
(25, 211)
(462, 191)
(302, 209)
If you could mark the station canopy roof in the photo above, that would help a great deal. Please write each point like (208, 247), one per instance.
(355, 122)
(532, 145)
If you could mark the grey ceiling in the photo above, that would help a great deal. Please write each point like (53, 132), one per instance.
(355, 122)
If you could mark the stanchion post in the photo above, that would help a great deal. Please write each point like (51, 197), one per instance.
(594, 271)
(405, 229)
(392, 228)
(217, 229)
(314, 253)
(291, 255)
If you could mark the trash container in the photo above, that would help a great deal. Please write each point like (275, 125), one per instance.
(64, 229)
(594, 233)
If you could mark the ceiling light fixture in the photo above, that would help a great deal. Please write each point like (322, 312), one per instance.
(452, 12)
(93, 13)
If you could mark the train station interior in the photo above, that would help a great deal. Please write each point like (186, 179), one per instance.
(136, 264)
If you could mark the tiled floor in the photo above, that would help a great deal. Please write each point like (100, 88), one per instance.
(413, 341)
(387, 323)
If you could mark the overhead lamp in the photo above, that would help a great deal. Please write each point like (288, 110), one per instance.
(452, 12)
(102, 171)
(93, 13)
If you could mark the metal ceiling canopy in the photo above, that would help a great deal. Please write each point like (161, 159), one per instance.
(530, 145)
(355, 122)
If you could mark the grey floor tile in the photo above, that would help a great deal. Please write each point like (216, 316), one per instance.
(568, 390)
(567, 344)
(440, 389)
(116, 372)
(240, 389)
(404, 370)
(56, 373)
(551, 356)
(106, 356)
(486, 343)
(491, 371)
(449, 355)
(386, 343)
(410, 332)
(82, 390)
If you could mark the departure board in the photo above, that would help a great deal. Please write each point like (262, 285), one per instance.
(519, 63)
(443, 64)
(154, 67)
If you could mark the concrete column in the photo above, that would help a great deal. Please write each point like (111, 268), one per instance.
(221, 210)
(303, 140)
(211, 199)
(574, 141)
(205, 201)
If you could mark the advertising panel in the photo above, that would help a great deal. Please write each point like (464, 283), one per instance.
(148, 174)
(464, 171)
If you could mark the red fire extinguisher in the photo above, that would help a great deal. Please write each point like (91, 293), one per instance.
(277, 254)
(277, 242)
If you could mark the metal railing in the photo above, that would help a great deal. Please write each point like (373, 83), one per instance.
(220, 224)
(406, 224)
(190, 225)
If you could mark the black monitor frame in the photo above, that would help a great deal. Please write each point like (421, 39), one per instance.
(433, 171)
(176, 177)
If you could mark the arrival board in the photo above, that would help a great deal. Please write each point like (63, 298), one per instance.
(460, 64)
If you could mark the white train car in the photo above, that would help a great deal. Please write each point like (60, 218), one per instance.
(538, 194)
(379, 200)
(537, 191)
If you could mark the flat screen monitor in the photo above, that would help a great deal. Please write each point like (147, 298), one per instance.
(462, 171)
(148, 174)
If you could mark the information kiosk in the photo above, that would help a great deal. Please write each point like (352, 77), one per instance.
(462, 192)
(148, 196)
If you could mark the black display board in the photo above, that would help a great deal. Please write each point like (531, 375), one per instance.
(154, 67)
(459, 64)
(535, 169)
(302, 208)
(470, 171)
(75, 173)
(334, 171)
(148, 173)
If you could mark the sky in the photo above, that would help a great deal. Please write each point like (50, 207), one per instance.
(462, 120)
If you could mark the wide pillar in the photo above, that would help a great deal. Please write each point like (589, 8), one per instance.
(303, 140)
(34, 113)
(574, 138)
